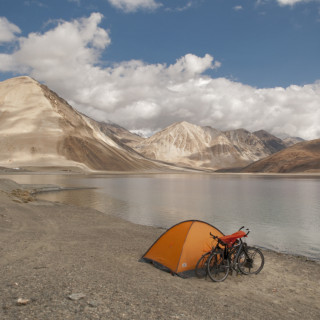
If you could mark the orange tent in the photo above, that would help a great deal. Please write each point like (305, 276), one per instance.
(179, 248)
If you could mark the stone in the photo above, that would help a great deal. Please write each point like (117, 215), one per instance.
(93, 303)
(22, 302)
(76, 296)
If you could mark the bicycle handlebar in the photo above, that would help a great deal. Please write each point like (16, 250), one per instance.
(248, 230)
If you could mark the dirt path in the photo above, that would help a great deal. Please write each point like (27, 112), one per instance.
(50, 251)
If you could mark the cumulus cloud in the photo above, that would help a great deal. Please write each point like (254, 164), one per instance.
(8, 30)
(134, 5)
(147, 97)
(70, 49)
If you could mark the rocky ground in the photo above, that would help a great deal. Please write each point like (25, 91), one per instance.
(64, 262)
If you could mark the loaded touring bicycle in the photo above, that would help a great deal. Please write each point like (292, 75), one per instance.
(231, 253)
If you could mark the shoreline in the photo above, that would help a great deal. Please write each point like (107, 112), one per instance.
(43, 188)
(176, 170)
(51, 252)
(57, 189)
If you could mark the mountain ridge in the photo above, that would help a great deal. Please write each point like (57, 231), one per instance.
(39, 128)
(186, 144)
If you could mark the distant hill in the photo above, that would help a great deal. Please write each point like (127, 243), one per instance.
(38, 128)
(290, 141)
(186, 144)
(301, 157)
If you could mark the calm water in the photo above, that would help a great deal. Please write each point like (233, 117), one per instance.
(282, 212)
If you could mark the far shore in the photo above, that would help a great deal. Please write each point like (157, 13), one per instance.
(65, 262)
(172, 170)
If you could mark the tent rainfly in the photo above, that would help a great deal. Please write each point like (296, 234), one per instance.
(179, 248)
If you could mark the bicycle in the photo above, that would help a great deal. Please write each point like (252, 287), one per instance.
(201, 269)
(231, 253)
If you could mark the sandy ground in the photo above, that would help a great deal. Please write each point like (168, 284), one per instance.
(50, 251)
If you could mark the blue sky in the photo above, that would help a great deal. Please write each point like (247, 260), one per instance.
(147, 63)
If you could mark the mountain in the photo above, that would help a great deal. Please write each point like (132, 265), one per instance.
(186, 144)
(301, 157)
(38, 128)
(248, 144)
(290, 141)
(271, 142)
(182, 143)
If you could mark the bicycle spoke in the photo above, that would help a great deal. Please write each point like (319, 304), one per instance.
(201, 267)
(250, 261)
(218, 267)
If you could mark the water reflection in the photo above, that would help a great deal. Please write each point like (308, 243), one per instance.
(282, 212)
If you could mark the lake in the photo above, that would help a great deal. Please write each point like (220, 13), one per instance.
(282, 212)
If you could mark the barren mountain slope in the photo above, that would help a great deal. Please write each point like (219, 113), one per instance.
(271, 142)
(186, 144)
(38, 128)
(290, 141)
(301, 157)
(123, 136)
(249, 145)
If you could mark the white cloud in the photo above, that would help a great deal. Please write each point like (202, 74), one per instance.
(7, 63)
(134, 5)
(185, 7)
(69, 49)
(237, 8)
(290, 2)
(191, 64)
(8, 30)
(147, 97)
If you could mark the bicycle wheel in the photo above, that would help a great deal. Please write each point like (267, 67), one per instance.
(250, 261)
(201, 267)
(217, 267)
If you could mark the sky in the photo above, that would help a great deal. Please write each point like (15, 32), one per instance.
(145, 64)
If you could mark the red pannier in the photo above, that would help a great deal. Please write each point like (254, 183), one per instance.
(232, 238)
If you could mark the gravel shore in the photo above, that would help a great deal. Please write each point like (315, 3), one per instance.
(64, 262)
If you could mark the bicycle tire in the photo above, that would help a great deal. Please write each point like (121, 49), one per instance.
(217, 267)
(201, 266)
(250, 260)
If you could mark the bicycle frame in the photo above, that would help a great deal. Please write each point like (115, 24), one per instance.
(238, 250)
(227, 253)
